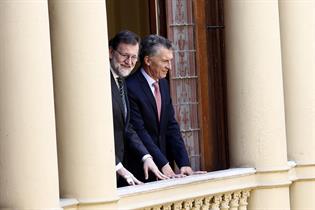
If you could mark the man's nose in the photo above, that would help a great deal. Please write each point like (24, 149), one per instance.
(128, 61)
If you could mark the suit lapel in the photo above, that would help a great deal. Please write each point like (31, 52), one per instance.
(147, 91)
(163, 91)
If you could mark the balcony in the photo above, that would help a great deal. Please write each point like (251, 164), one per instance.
(226, 189)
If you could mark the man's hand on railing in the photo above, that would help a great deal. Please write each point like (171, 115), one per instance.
(168, 171)
(129, 177)
(150, 165)
(187, 170)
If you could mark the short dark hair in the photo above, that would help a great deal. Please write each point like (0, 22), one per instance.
(150, 44)
(126, 37)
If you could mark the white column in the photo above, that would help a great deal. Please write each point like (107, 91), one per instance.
(28, 156)
(297, 23)
(83, 100)
(255, 98)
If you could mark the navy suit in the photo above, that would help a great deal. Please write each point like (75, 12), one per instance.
(128, 146)
(162, 139)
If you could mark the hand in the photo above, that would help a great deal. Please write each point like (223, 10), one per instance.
(168, 171)
(150, 165)
(186, 170)
(129, 177)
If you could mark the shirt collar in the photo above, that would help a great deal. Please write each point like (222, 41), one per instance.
(114, 73)
(115, 76)
(149, 79)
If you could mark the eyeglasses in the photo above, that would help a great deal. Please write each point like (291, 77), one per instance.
(133, 58)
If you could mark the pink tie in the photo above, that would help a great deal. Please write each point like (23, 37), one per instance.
(157, 96)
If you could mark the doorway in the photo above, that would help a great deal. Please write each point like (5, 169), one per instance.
(197, 79)
(130, 15)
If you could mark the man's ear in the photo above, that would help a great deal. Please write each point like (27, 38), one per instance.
(147, 60)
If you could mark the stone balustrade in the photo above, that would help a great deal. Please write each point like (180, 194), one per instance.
(219, 190)
(227, 201)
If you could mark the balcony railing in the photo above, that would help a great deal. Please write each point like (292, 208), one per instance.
(219, 190)
(226, 189)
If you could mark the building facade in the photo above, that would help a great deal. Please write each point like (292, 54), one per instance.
(56, 131)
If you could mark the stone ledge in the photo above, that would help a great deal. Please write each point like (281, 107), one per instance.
(163, 184)
(187, 188)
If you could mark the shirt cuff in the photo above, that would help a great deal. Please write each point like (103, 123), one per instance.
(146, 157)
(119, 166)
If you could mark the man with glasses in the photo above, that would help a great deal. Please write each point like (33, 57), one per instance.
(123, 54)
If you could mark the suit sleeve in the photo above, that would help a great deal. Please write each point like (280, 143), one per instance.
(134, 142)
(175, 142)
(117, 160)
(138, 123)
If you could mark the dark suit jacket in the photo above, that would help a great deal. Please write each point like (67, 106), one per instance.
(127, 141)
(162, 139)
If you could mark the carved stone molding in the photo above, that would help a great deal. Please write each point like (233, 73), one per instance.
(206, 203)
(243, 200)
(227, 201)
(156, 208)
(177, 206)
(216, 201)
(187, 205)
(197, 204)
(167, 206)
(235, 200)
